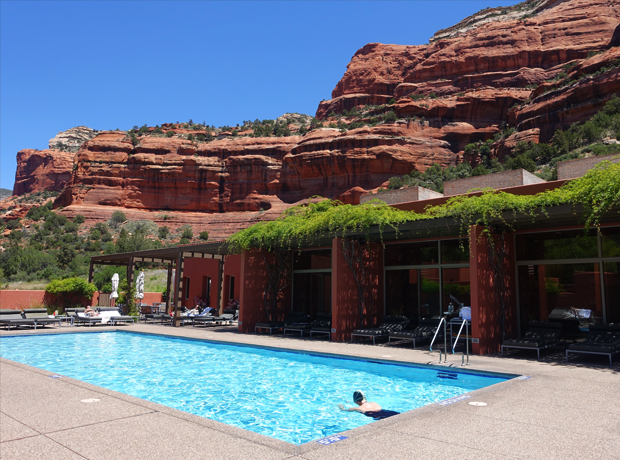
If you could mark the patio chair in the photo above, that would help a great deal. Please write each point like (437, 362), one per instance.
(424, 331)
(322, 325)
(14, 318)
(82, 318)
(205, 319)
(538, 336)
(40, 317)
(114, 316)
(602, 339)
(304, 325)
(390, 324)
(293, 317)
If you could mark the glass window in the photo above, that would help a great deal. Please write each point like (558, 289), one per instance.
(455, 251)
(401, 295)
(556, 245)
(565, 293)
(429, 293)
(612, 291)
(313, 260)
(312, 293)
(411, 254)
(611, 241)
(456, 288)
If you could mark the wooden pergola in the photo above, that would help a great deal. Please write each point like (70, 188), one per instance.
(172, 257)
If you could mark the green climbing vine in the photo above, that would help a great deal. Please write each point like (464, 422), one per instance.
(597, 192)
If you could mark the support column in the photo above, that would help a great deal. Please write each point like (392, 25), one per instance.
(129, 281)
(91, 269)
(169, 286)
(179, 290)
(220, 290)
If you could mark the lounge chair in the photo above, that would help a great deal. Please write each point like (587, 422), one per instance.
(114, 316)
(390, 324)
(424, 331)
(14, 318)
(40, 317)
(293, 318)
(603, 339)
(203, 319)
(304, 325)
(82, 318)
(538, 336)
(322, 325)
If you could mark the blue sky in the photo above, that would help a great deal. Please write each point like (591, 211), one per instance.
(117, 64)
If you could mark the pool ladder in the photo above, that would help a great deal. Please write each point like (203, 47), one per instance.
(445, 341)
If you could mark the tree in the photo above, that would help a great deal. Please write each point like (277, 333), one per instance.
(163, 232)
(118, 217)
(66, 255)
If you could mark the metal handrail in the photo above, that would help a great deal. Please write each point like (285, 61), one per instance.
(466, 324)
(445, 337)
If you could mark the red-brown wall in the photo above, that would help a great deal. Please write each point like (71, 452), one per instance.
(18, 300)
(232, 267)
(252, 280)
(345, 308)
(485, 314)
(197, 270)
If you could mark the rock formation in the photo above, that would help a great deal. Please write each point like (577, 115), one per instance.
(42, 170)
(72, 139)
(535, 67)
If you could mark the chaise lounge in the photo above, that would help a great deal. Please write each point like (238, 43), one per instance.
(424, 331)
(322, 325)
(14, 318)
(294, 317)
(114, 316)
(538, 336)
(390, 324)
(322, 320)
(40, 317)
(602, 339)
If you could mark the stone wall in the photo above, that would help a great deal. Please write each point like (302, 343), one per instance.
(402, 195)
(495, 181)
(572, 169)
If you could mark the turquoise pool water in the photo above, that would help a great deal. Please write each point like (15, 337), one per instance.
(286, 395)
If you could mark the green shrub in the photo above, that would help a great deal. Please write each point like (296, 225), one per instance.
(118, 217)
(163, 232)
(70, 291)
(13, 224)
(79, 219)
(170, 134)
(187, 232)
(390, 117)
(204, 235)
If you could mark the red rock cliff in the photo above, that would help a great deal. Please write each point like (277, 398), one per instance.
(42, 170)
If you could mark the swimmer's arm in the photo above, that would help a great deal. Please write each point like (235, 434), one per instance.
(350, 409)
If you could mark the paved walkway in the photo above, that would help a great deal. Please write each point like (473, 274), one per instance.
(563, 411)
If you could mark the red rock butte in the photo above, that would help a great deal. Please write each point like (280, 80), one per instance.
(537, 66)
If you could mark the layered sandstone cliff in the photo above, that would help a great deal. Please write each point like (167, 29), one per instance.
(42, 170)
(535, 67)
(477, 70)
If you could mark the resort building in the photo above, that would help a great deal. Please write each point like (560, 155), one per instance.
(550, 269)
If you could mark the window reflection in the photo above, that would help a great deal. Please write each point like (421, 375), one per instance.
(454, 251)
(320, 259)
(312, 293)
(556, 245)
(612, 291)
(456, 288)
(560, 292)
(611, 241)
(411, 254)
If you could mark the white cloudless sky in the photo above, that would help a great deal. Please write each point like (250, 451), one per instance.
(116, 64)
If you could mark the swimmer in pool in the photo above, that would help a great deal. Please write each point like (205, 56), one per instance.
(369, 409)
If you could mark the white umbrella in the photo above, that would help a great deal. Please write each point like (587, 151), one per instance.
(140, 286)
(115, 279)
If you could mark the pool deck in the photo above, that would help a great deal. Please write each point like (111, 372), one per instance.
(562, 411)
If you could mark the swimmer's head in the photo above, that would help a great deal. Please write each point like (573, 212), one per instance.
(358, 397)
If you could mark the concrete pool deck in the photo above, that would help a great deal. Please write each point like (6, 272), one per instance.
(561, 411)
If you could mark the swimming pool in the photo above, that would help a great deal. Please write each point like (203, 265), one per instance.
(291, 396)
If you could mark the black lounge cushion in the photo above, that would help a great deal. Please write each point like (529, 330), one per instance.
(602, 338)
(426, 328)
(539, 334)
(294, 317)
(390, 324)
